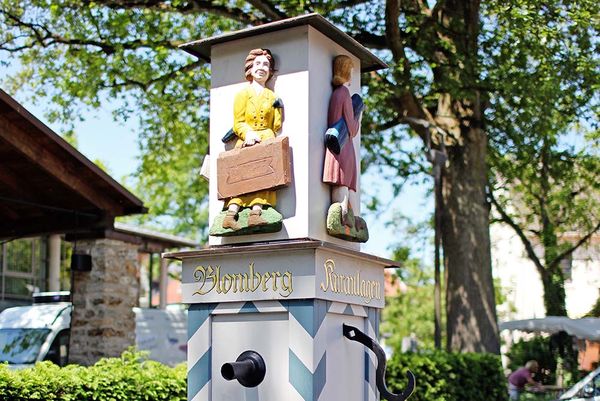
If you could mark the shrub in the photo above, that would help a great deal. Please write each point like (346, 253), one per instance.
(440, 376)
(449, 376)
(130, 377)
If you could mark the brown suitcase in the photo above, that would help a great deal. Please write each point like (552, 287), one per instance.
(265, 166)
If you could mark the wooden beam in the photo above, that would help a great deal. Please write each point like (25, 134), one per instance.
(11, 181)
(9, 212)
(42, 156)
(108, 233)
(19, 188)
(49, 224)
(152, 246)
(132, 239)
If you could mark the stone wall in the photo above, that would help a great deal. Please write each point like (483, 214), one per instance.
(103, 321)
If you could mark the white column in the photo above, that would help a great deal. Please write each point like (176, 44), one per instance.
(54, 262)
(162, 283)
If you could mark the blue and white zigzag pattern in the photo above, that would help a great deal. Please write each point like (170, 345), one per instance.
(307, 344)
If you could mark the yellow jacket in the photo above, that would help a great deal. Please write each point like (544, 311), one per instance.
(255, 112)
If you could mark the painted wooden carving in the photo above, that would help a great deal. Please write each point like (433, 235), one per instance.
(255, 168)
(341, 170)
(249, 174)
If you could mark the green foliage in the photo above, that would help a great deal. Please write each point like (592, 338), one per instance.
(449, 376)
(542, 61)
(537, 397)
(130, 377)
(440, 376)
(410, 311)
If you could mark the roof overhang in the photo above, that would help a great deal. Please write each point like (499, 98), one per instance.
(368, 61)
(46, 185)
(147, 241)
(586, 328)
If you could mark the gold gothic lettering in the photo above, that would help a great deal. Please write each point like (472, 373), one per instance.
(349, 285)
(210, 278)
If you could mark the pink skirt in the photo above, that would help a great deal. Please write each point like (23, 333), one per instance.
(340, 170)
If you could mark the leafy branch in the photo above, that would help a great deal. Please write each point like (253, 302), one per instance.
(506, 218)
(268, 9)
(45, 37)
(127, 82)
(184, 7)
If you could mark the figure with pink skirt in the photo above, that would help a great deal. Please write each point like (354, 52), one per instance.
(341, 168)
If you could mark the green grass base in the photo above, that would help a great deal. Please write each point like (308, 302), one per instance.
(348, 233)
(273, 217)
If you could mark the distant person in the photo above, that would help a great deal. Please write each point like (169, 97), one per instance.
(521, 377)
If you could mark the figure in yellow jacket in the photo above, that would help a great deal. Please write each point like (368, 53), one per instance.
(257, 117)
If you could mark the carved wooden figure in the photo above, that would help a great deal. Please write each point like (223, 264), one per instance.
(341, 169)
(257, 114)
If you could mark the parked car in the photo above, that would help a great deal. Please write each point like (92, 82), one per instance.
(587, 389)
(40, 332)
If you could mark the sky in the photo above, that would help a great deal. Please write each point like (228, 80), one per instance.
(100, 138)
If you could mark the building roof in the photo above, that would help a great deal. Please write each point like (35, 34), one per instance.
(368, 61)
(150, 241)
(46, 185)
(155, 240)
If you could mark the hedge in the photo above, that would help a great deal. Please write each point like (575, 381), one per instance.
(440, 377)
(444, 376)
(130, 377)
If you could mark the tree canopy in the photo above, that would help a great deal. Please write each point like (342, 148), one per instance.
(545, 159)
(464, 71)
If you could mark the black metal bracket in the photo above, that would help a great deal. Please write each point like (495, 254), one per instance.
(354, 334)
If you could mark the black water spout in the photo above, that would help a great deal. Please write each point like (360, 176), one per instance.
(249, 369)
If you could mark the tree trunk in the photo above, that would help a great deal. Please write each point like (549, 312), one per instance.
(470, 303)
(554, 291)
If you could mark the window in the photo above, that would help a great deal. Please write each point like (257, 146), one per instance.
(23, 264)
(21, 346)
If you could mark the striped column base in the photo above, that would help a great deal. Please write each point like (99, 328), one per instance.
(307, 357)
